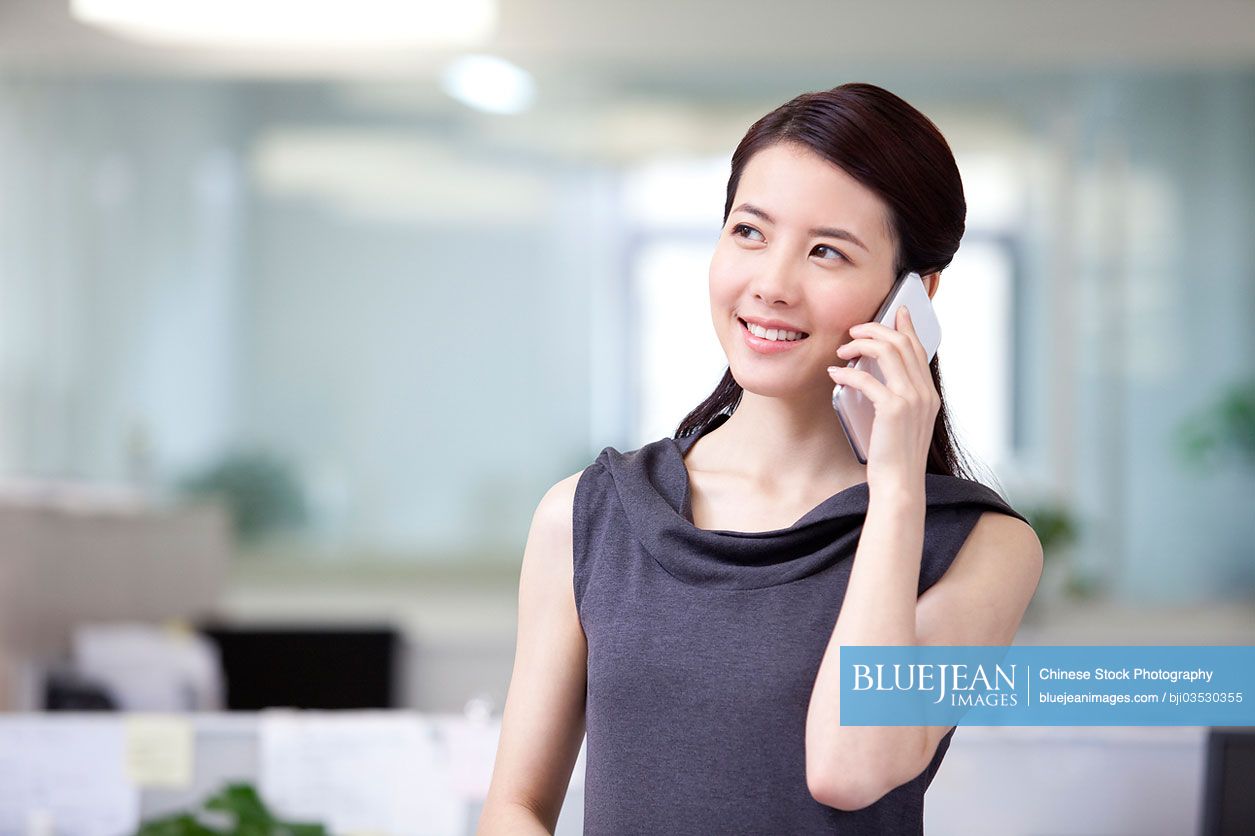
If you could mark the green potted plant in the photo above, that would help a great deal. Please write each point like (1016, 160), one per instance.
(259, 489)
(1057, 530)
(1224, 426)
(235, 810)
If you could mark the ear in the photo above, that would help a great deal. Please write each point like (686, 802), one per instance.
(931, 281)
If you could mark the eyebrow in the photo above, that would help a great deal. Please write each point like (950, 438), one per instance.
(816, 232)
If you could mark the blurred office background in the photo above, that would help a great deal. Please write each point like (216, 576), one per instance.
(294, 338)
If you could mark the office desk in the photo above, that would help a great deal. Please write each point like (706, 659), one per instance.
(232, 747)
(1123, 780)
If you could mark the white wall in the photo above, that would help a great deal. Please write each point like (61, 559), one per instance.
(407, 305)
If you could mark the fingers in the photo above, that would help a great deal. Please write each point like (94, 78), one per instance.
(904, 337)
(907, 327)
(902, 346)
(897, 377)
(872, 389)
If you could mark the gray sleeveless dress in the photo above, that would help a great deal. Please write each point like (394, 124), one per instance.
(703, 648)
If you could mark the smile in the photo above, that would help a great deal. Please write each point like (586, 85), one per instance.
(765, 345)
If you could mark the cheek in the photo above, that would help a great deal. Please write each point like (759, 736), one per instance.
(840, 311)
(722, 280)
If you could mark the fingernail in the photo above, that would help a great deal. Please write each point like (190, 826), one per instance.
(833, 368)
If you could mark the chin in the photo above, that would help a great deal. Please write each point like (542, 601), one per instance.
(767, 383)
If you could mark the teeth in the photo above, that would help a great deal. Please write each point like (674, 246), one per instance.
(773, 333)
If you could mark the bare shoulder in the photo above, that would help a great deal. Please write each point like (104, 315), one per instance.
(553, 517)
(1002, 551)
(983, 595)
(1002, 537)
(559, 501)
(550, 542)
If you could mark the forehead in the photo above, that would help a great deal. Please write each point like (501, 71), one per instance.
(801, 189)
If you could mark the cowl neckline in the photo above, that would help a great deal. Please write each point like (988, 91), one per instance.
(654, 488)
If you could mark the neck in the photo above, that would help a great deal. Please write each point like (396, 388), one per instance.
(784, 446)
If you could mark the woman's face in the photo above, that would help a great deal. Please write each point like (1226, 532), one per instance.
(809, 246)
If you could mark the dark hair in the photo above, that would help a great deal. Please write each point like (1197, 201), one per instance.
(898, 153)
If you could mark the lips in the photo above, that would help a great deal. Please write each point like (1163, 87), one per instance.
(765, 347)
(769, 324)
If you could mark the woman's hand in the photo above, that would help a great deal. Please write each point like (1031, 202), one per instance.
(906, 404)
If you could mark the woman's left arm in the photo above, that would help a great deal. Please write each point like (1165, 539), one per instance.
(980, 600)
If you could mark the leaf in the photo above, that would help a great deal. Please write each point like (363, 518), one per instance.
(182, 824)
(240, 802)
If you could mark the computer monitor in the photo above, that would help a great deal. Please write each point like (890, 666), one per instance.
(315, 666)
(1229, 785)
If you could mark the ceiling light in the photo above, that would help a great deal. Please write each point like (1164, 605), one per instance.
(294, 23)
(488, 83)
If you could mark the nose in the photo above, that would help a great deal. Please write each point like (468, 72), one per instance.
(774, 279)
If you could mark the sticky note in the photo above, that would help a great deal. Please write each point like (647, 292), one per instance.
(159, 749)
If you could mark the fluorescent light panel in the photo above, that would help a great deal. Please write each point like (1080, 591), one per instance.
(294, 23)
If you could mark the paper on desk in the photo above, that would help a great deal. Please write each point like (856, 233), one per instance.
(470, 750)
(358, 772)
(159, 750)
(69, 770)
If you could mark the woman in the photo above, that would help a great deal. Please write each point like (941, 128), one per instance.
(684, 603)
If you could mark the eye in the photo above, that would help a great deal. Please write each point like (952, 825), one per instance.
(736, 230)
(840, 255)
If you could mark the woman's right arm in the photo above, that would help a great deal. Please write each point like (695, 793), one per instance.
(542, 724)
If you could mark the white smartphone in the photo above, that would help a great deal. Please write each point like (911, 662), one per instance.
(852, 407)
